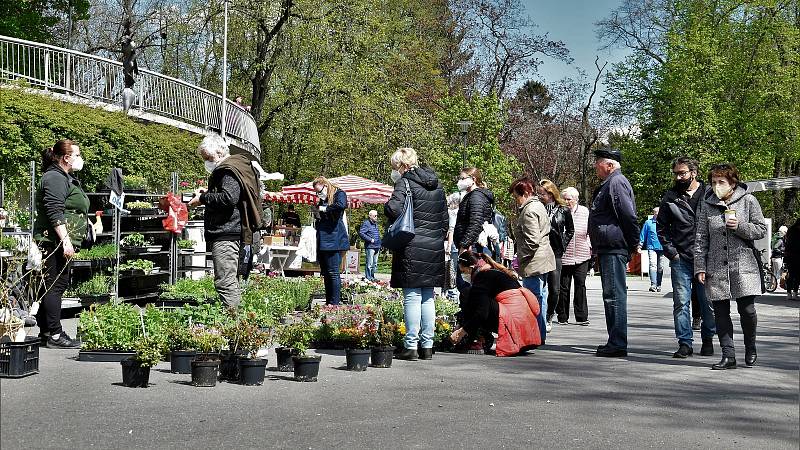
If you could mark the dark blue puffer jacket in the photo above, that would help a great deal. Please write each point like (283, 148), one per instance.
(331, 232)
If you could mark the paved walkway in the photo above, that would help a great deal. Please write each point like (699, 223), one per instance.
(562, 396)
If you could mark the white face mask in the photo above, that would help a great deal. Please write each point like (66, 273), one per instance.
(465, 184)
(467, 278)
(721, 190)
(210, 166)
(396, 175)
(77, 163)
(323, 194)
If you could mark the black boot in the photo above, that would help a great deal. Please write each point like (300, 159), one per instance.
(408, 354)
(750, 357)
(708, 347)
(684, 351)
(725, 363)
(426, 353)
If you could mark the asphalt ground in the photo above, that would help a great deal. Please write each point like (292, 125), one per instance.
(560, 396)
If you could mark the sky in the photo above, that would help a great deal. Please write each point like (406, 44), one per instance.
(572, 22)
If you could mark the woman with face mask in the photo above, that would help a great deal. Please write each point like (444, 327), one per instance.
(332, 236)
(59, 228)
(495, 303)
(728, 223)
(475, 209)
(418, 267)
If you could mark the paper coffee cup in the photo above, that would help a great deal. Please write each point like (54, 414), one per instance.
(730, 214)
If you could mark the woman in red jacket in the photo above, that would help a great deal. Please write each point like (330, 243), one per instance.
(496, 303)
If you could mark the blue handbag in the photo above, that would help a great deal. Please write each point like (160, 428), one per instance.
(401, 231)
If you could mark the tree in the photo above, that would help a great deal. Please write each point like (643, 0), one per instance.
(48, 21)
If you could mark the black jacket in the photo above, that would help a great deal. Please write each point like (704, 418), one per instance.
(613, 226)
(223, 216)
(421, 263)
(561, 228)
(675, 223)
(474, 210)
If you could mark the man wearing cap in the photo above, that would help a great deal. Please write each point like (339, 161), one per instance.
(614, 233)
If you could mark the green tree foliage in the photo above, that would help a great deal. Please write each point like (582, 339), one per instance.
(38, 20)
(726, 88)
(30, 123)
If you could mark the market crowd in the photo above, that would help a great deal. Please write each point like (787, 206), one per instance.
(514, 278)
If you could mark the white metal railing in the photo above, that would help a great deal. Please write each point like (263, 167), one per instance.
(96, 78)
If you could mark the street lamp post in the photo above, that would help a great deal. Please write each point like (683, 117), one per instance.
(223, 119)
(464, 124)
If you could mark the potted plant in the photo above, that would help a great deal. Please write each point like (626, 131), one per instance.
(135, 242)
(8, 245)
(383, 341)
(182, 347)
(95, 290)
(205, 367)
(186, 245)
(135, 184)
(297, 336)
(246, 339)
(136, 369)
(108, 332)
(188, 290)
(137, 266)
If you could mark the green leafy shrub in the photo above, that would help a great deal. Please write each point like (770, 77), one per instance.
(245, 335)
(299, 334)
(135, 182)
(148, 350)
(138, 205)
(8, 243)
(97, 285)
(185, 244)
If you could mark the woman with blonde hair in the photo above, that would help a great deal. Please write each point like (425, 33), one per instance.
(331, 235)
(418, 267)
(561, 232)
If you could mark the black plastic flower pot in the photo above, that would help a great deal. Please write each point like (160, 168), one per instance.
(181, 361)
(204, 373)
(306, 368)
(284, 357)
(229, 367)
(252, 371)
(134, 375)
(382, 356)
(357, 359)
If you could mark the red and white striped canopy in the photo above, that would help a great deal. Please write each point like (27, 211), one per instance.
(359, 190)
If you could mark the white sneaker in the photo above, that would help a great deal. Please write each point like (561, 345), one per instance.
(549, 326)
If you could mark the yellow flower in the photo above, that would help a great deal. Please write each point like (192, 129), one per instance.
(402, 328)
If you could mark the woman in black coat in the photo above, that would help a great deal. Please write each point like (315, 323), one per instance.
(561, 231)
(418, 267)
(475, 209)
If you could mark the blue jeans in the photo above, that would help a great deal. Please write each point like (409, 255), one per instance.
(656, 271)
(538, 285)
(420, 317)
(370, 263)
(683, 283)
(615, 299)
(329, 262)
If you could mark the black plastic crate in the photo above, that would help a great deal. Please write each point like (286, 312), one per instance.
(19, 359)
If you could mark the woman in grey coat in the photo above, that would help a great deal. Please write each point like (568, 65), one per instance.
(728, 223)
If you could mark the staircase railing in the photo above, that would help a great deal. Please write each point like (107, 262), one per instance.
(100, 79)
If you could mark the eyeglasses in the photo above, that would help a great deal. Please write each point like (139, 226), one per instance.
(465, 177)
(682, 173)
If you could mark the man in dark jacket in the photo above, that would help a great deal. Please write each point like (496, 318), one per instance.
(675, 225)
(419, 267)
(614, 233)
(233, 211)
(372, 244)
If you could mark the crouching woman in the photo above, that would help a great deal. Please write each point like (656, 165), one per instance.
(495, 302)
